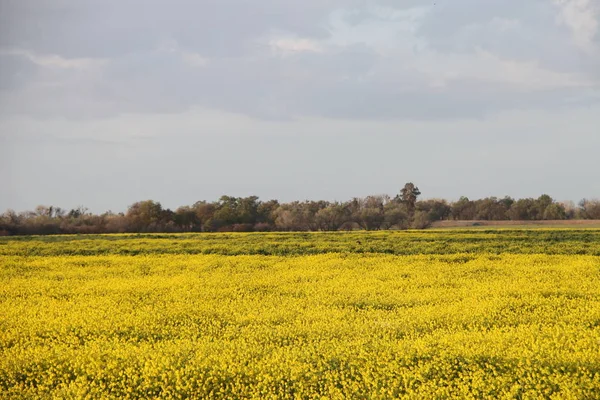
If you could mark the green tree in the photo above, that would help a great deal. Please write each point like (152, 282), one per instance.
(395, 215)
(543, 202)
(331, 217)
(524, 209)
(186, 218)
(435, 209)
(555, 211)
(491, 209)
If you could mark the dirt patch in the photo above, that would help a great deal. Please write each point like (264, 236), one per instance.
(579, 223)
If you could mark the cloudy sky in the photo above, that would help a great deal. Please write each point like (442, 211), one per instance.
(103, 103)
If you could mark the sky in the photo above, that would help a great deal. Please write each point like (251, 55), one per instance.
(104, 103)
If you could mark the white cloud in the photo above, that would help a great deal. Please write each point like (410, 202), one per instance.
(409, 60)
(191, 58)
(291, 45)
(484, 66)
(194, 59)
(54, 60)
(504, 24)
(580, 16)
(383, 29)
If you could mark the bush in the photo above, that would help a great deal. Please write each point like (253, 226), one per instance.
(421, 220)
(242, 228)
(263, 227)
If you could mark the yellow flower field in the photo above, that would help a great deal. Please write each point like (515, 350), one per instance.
(338, 316)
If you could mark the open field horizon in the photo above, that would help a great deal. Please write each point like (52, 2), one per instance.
(250, 214)
(300, 199)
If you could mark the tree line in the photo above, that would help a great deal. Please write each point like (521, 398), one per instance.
(249, 214)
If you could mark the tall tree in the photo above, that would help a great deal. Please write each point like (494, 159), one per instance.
(409, 195)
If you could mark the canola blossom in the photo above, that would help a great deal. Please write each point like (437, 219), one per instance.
(433, 314)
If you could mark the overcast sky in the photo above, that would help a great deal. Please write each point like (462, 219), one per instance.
(103, 103)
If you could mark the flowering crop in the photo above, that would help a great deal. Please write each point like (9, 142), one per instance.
(538, 241)
(437, 314)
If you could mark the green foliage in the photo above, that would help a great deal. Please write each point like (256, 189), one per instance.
(519, 241)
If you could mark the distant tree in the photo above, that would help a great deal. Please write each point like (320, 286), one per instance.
(463, 209)
(43, 211)
(239, 211)
(250, 214)
(116, 223)
(204, 214)
(409, 195)
(294, 216)
(248, 210)
(491, 209)
(144, 216)
(10, 217)
(435, 209)
(77, 212)
(370, 218)
(542, 203)
(524, 209)
(555, 211)
(9, 223)
(590, 209)
(368, 213)
(309, 210)
(420, 220)
(571, 210)
(286, 219)
(395, 215)
(226, 213)
(266, 214)
(507, 202)
(186, 219)
(331, 218)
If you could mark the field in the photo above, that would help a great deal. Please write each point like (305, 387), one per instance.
(473, 224)
(428, 314)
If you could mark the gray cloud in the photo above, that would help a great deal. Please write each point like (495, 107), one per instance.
(15, 72)
(275, 60)
(281, 95)
(103, 29)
